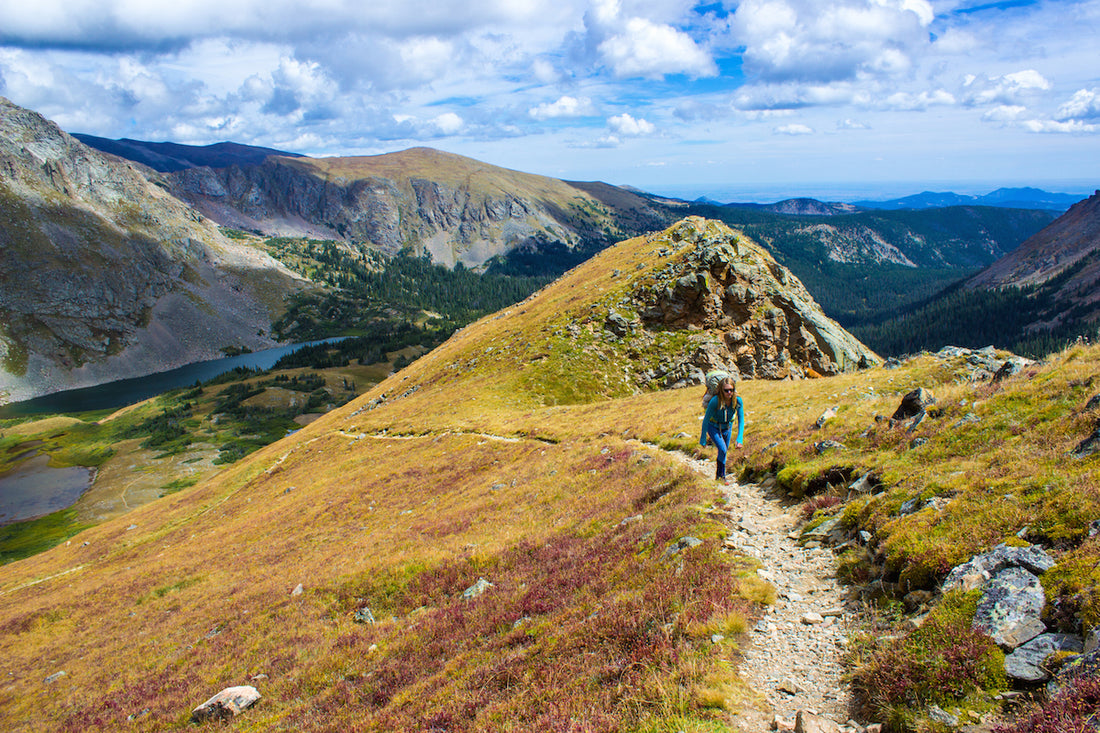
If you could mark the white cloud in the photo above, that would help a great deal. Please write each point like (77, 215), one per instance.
(850, 124)
(651, 50)
(1008, 89)
(1084, 105)
(628, 126)
(449, 123)
(794, 129)
(794, 96)
(842, 39)
(565, 106)
(642, 45)
(918, 101)
(1072, 126)
(1005, 113)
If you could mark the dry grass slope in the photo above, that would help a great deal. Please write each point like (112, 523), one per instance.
(505, 455)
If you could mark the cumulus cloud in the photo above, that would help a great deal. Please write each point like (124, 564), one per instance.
(842, 39)
(449, 123)
(650, 50)
(638, 46)
(1058, 126)
(1009, 89)
(1084, 105)
(1005, 113)
(794, 96)
(565, 106)
(914, 101)
(627, 126)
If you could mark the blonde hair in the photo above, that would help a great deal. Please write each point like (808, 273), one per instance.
(721, 396)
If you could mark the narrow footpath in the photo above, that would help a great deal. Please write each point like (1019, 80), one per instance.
(794, 659)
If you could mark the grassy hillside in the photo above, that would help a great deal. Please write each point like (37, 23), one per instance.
(513, 454)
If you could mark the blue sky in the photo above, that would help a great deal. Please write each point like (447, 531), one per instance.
(750, 100)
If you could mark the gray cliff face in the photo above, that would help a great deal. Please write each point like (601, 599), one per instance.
(105, 275)
(743, 311)
(466, 218)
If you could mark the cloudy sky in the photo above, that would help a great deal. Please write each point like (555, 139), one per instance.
(736, 100)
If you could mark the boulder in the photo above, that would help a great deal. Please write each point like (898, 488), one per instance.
(1011, 607)
(477, 589)
(913, 404)
(979, 569)
(226, 704)
(938, 715)
(1026, 663)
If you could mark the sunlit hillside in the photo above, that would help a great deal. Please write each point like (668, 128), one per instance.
(338, 570)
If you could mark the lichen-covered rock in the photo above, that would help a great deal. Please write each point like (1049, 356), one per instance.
(1084, 665)
(1027, 662)
(1010, 609)
(978, 570)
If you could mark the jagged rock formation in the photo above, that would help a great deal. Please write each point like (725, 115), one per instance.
(105, 275)
(456, 208)
(741, 309)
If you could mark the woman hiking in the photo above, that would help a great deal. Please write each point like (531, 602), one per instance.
(718, 421)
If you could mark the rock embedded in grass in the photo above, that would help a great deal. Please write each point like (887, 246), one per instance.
(977, 571)
(1011, 608)
(227, 704)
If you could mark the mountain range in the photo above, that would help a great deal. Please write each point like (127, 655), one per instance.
(181, 237)
(1011, 198)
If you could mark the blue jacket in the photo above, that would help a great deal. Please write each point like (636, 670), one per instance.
(723, 416)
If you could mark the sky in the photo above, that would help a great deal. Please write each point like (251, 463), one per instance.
(749, 100)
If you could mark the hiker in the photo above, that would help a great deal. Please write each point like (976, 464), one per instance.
(718, 421)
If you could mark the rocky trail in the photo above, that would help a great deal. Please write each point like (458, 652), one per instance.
(794, 658)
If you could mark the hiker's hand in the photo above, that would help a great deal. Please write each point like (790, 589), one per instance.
(738, 445)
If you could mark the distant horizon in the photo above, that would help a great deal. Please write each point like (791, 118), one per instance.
(850, 191)
(765, 192)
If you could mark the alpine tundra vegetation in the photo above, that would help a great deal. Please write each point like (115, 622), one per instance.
(501, 535)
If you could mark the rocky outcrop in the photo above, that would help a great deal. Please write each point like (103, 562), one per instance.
(1011, 608)
(105, 275)
(745, 313)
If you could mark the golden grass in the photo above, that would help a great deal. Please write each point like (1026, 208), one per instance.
(473, 466)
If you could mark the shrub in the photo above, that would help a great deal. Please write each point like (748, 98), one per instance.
(942, 662)
(1075, 709)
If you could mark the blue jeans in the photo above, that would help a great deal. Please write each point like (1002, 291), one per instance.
(720, 436)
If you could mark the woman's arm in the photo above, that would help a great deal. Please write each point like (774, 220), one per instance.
(740, 420)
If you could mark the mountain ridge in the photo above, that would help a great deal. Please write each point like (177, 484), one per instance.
(108, 276)
(169, 157)
(455, 208)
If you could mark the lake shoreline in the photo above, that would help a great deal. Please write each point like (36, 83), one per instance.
(123, 392)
